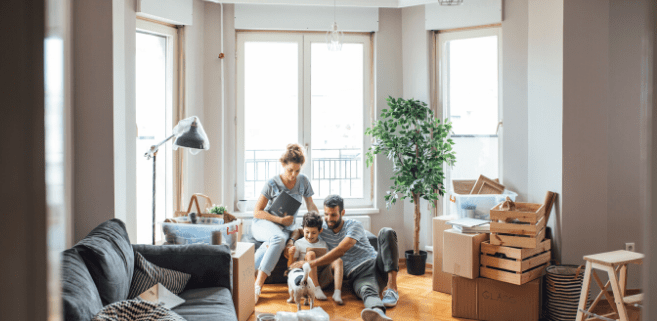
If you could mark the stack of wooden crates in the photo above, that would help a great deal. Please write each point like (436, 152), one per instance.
(517, 251)
(505, 285)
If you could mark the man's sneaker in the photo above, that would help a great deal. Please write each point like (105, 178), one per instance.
(374, 314)
(390, 298)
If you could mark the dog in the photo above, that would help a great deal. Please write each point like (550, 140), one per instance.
(300, 286)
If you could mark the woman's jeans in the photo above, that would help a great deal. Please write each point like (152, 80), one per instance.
(274, 238)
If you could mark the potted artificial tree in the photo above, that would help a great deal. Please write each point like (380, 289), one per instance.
(418, 145)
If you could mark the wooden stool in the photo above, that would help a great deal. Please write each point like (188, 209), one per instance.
(613, 263)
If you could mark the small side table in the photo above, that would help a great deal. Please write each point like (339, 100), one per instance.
(612, 263)
(243, 281)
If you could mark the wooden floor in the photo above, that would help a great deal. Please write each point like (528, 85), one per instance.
(417, 301)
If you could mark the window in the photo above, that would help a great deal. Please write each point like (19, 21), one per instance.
(155, 77)
(469, 82)
(292, 89)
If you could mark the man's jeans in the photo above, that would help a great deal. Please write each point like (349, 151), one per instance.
(368, 279)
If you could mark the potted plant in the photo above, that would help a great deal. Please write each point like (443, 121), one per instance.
(418, 145)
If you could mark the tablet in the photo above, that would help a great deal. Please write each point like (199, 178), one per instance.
(319, 251)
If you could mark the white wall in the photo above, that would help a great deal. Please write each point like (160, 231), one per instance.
(416, 51)
(628, 57)
(585, 119)
(93, 110)
(470, 13)
(176, 12)
(649, 195)
(315, 18)
(388, 82)
(212, 102)
(193, 174)
(545, 111)
(514, 97)
(124, 48)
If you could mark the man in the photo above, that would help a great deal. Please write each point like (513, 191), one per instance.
(367, 269)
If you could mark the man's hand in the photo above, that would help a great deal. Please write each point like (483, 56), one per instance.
(287, 220)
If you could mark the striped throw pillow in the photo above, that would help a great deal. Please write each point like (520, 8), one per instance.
(148, 274)
(137, 309)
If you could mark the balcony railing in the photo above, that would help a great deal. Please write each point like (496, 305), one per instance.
(329, 168)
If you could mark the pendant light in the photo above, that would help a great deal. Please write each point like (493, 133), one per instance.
(334, 36)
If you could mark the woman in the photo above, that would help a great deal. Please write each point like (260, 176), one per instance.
(273, 230)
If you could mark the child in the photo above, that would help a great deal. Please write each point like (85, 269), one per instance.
(312, 226)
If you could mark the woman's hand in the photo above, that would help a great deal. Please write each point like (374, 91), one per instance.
(287, 220)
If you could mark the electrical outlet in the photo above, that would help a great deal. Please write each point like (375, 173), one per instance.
(629, 247)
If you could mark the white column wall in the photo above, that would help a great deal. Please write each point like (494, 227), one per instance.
(515, 143)
(416, 54)
(388, 82)
(193, 165)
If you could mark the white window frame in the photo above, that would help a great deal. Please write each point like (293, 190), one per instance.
(172, 107)
(443, 89)
(304, 41)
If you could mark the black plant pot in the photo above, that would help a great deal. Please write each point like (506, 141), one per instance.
(416, 264)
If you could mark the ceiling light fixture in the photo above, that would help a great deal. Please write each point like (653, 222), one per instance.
(450, 2)
(334, 36)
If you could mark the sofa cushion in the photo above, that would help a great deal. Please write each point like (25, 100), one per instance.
(137, 309)
(108, 255)
(209, 265)
(80, 297)
(207, 304)
(148, 274)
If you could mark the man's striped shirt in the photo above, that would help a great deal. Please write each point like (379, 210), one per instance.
(360, 253)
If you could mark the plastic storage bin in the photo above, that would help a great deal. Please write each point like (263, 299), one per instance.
(477, 205)
(176, 233)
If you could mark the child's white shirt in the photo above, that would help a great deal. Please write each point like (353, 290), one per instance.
(302, 245)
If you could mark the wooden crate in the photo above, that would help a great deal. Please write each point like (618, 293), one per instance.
(523, 227)
(513, 265)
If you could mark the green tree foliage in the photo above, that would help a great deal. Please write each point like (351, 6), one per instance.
(418, 145)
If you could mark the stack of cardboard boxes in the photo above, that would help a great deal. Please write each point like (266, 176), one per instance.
(509, 288)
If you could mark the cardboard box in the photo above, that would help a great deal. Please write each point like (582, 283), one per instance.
(243, 286)
(461, 253)
(491, 300)
(501, 301)
(442, 282)
(464, 298)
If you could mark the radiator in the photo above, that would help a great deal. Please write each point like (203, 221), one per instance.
(363, 219)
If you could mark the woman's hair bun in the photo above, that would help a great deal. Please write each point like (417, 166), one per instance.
(293, 154)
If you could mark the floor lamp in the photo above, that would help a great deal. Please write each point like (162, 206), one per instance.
(188, 133)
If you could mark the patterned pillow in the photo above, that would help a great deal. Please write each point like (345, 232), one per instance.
(136, 309)
(148, 274)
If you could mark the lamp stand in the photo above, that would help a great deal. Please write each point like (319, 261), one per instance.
(154, 176)
(152, 153)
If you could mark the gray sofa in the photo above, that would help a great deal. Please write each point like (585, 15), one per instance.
(98, 270)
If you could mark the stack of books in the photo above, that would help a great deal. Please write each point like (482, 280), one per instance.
(470, 225)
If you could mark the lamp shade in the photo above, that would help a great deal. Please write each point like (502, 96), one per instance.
(189, 133)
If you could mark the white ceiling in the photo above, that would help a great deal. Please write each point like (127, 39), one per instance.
(340, 3)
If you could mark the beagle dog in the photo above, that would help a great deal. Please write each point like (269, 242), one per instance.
(300, 286)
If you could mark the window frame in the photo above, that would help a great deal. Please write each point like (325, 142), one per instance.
(172, 83)
(443, 87)
(304, 41)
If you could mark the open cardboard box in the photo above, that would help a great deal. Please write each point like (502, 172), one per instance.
(442, 281)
